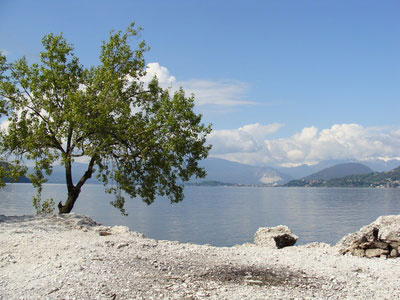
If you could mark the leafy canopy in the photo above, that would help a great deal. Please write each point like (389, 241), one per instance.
(136, 137)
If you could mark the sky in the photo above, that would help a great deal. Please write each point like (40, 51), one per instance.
(282, 82)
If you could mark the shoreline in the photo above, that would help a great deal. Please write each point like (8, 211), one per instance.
(73, 257)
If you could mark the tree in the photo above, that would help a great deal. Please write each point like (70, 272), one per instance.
(136, 137)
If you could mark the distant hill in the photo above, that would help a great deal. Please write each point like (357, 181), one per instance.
(389, 179)
(377, 165)
(235, 173)
(78, 169)
(209, 183)
(302, 171)
(339, 171)
(21, 179)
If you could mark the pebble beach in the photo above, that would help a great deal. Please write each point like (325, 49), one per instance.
(73, 257)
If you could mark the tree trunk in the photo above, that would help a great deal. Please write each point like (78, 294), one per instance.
(74, 191)
(69, 204)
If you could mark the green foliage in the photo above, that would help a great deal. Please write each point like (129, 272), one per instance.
(138, 139)
(11, 173)
(45, 207)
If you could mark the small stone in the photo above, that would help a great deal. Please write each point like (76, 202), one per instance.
(375, 252)
(254, 282)
(119, 246)
(380, 245)
(358, 252)
(104, 233)
(395, 244)
(109, 243)
(394, 253)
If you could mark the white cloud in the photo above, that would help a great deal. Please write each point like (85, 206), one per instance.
(218, 93)
(222, 92)
(164, 78)
(310, 146)
(4, 52)
(246, 139)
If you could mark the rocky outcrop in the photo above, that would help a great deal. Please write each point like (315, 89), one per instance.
(275, 237)
(380, 238)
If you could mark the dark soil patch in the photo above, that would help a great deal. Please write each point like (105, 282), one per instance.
(262, 276)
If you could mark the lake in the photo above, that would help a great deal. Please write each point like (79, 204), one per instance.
(225, 216)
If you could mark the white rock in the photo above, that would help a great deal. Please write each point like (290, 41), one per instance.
(384, 229)
(275, 237)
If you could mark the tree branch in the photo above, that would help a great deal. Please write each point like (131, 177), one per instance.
(57, 144)
(88, 173)
(69, 139)
(68, 175)
(52, 135)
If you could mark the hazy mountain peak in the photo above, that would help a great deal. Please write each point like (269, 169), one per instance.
(232, 172)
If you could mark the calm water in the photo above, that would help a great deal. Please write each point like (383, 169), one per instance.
(224, 216)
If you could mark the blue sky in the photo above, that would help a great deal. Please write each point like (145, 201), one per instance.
(282, 82)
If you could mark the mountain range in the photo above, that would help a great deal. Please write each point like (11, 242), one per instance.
(302, 171)
(236, 173)
(224, 171)
(218, 170)
(388, 179)
(336, 171)
(340, 170)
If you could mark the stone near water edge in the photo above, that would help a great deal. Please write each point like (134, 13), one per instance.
(358, 252)
(375, 252)
(121, 230)
(275, 237)
(380, 245)
(362, 245)
(376, 239)
(389, 227)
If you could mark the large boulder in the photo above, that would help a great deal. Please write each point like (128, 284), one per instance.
(380, 238)
(275, 237)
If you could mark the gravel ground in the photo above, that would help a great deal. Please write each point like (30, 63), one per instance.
(73, 257)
